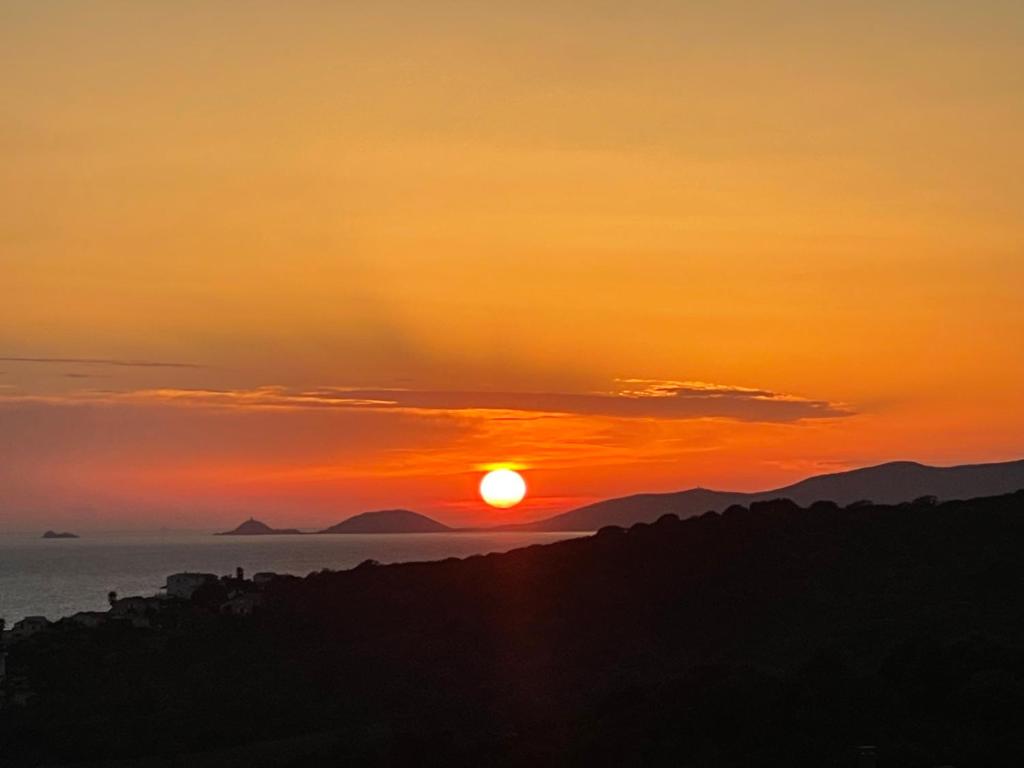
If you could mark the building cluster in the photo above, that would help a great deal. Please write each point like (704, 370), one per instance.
(232, 595)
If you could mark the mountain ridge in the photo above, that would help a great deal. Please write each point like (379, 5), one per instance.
(888, 483)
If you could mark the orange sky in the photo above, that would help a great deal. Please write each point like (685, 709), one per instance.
(368, 251)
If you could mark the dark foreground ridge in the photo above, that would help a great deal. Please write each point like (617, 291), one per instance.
(60, 535)
(768, 635)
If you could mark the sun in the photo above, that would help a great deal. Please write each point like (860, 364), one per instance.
(503, 488)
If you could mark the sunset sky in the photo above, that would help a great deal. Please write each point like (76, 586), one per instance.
(305, 259)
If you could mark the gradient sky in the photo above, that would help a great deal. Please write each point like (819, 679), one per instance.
(305, 259)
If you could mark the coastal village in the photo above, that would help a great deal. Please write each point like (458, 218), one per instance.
(232, 595)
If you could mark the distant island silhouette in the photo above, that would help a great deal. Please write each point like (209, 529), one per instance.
(59, 535)
(383, 521)
(253, 527)
(388, 521)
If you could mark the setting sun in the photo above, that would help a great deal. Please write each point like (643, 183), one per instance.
(503, 488)
(475, 382)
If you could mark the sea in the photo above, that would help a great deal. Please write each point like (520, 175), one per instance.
(58, 577)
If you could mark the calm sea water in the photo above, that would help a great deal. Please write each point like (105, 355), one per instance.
(58, 577)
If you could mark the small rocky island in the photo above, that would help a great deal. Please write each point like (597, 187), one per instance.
(60, 535)
(253, 527)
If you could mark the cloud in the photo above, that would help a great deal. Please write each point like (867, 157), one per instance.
(634, 399)
(99, 361)
(174, 454)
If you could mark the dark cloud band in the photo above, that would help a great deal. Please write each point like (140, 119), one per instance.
(652, 400)
(99, 361)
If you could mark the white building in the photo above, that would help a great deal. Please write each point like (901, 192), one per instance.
(184, 585)
(126, 606)
(243, 605)
(29, 626)
(88, 618)
(137, 610)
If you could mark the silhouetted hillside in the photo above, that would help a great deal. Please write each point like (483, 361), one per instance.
(767, 635)
(388, 521)
(885, 484)
(253, 527)
(906, 480)
(641, 507)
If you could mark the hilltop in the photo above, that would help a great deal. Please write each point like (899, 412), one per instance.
(889, 483)
(388, 521)
(253, 527)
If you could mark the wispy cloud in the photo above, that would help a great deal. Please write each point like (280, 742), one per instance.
(634, 399)
(100, 361)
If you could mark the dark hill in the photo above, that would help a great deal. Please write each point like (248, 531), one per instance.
(388, 521)
(886, 484)
(906, 480)
(641, 507)
(768, 635)
(253, 527)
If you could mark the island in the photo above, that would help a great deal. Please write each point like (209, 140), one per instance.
(253, 527)
(60, 535)
(383, 521)
(388, 521)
